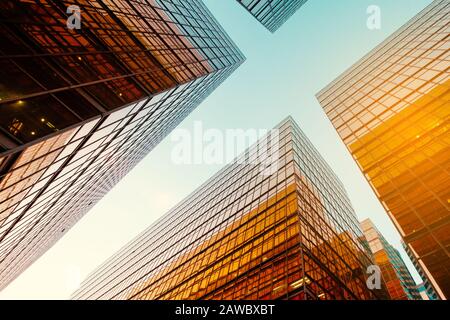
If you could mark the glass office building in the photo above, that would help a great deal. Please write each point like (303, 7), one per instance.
(392, 110)
(272, 13)
(399, 282)
(275, 223)
(80, 107)
(425, 292)
(425, 288)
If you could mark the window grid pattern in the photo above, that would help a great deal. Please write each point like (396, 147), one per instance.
(426, 285)
(392, 111)
(399, 282)
(125, 51)
(272, 13)
(245, 235)
(47, 185)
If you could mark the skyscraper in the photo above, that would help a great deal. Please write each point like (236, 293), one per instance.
(274, 223)
(425, 292)
(80, 107)
(392, 111)
(425, 287)
(399, 282)
(272, 13)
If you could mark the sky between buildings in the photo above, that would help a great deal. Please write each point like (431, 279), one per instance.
(281, 76)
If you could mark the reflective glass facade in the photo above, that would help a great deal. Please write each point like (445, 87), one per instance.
(392, 111)
(425, 287)
(272, 13)
(248, 234)
(80, 108)
(425, 292)
(399, 282)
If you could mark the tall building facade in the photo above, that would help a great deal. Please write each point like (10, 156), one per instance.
(79, 108)
(272, 14)
(248, 233)
(392, 111)
(425, 292)
(425, 288)
(399, 282)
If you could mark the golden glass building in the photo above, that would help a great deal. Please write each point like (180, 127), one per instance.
(276, 223)
(399, 282)
(272, 14)
(80, 108)
(425, 287)
(392, 110)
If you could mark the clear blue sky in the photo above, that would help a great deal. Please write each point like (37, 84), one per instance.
(281, 76)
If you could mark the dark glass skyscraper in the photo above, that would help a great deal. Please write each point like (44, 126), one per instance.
(79, 108)
(426, 286)
(426, 292)
(392, 111)
(399, 282)
(276, 223)
(272, 13)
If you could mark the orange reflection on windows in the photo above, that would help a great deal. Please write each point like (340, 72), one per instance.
(392, 110)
